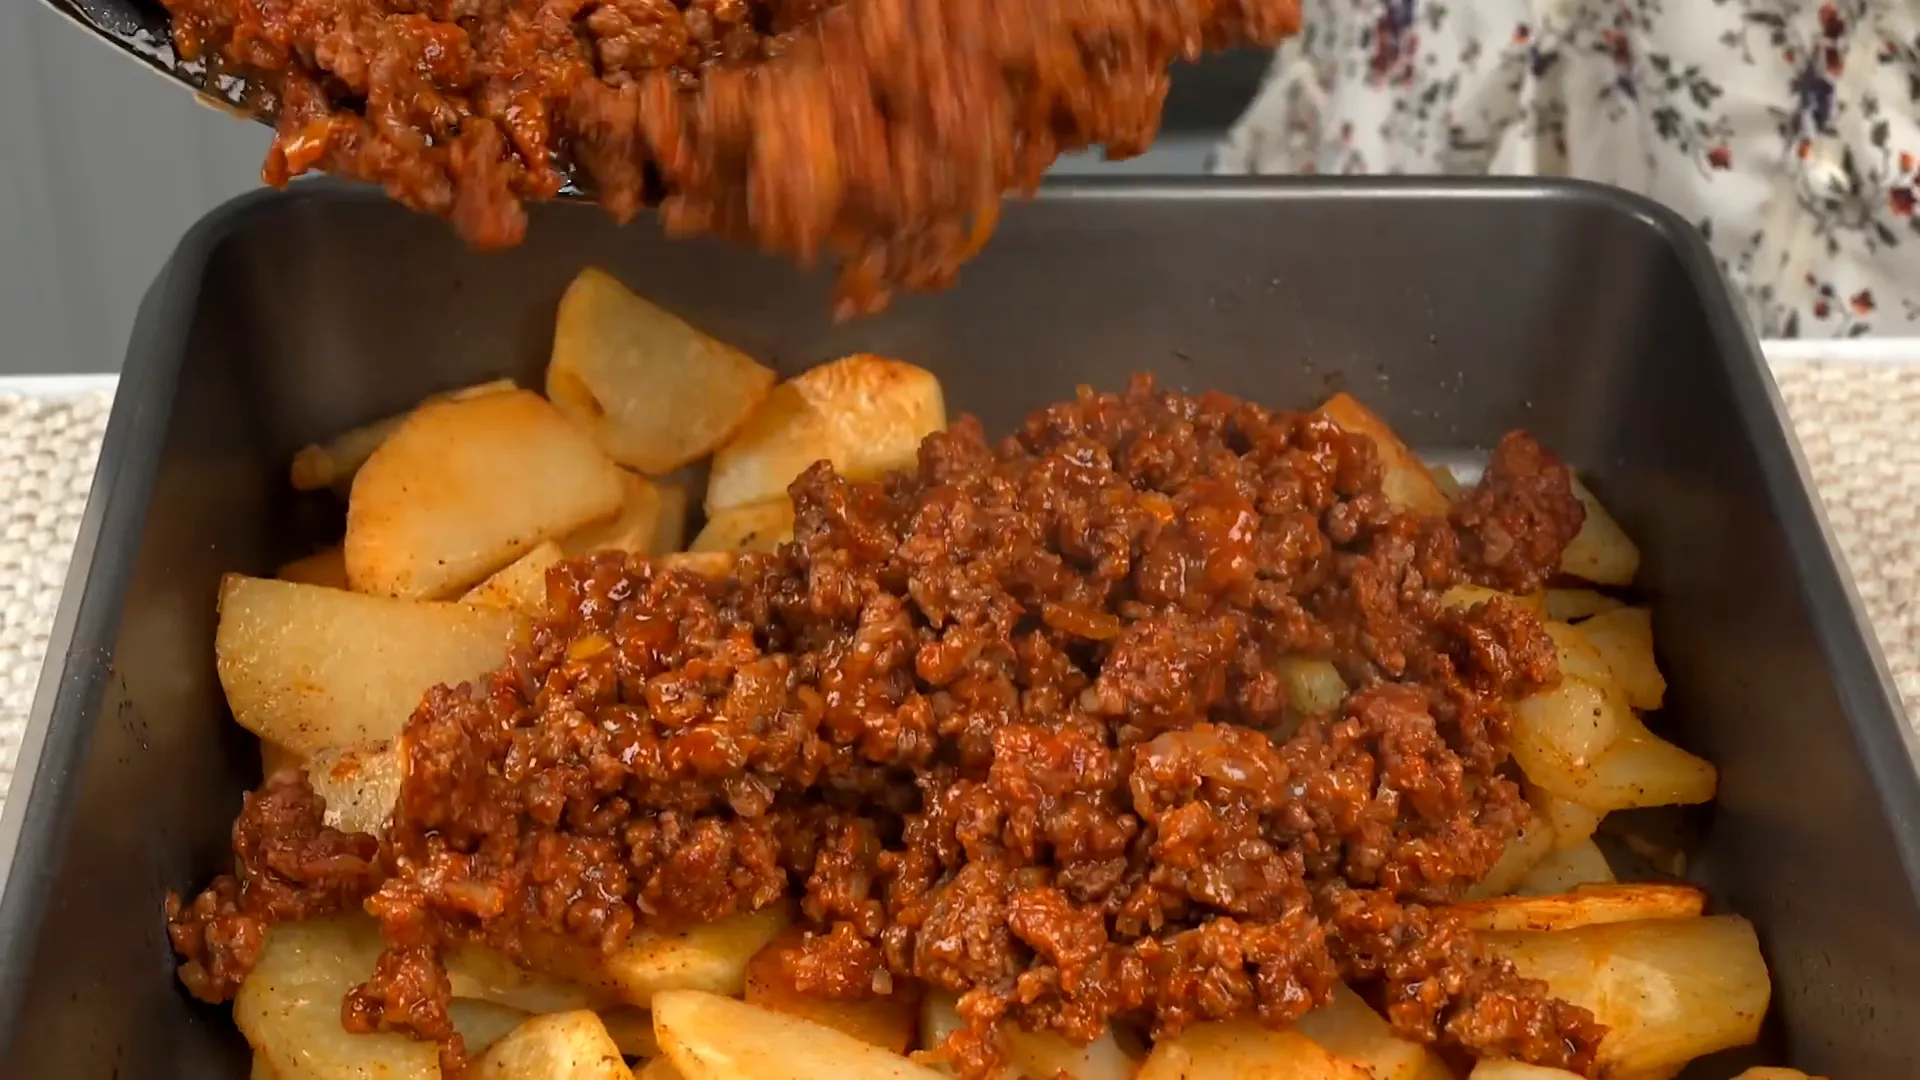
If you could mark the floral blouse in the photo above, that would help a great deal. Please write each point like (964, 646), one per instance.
(1787, 130)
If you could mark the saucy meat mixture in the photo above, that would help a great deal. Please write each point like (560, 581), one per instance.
(1008, 726)
(881, 133)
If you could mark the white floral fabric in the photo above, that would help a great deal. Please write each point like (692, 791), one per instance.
(1788, 131)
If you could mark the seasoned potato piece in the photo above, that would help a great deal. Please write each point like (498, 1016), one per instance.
(557, 1046)
(1668, 990)
(1239, 1049)
(761, 526)
(1573, 824)
(1601, 552)
(1572, 605)
(1466, 596)
(702, 1034)
(1029, 1054)
(520, 585)
(1522, 854)
(1566, 870)
(478, 972)
(1588, 905)
(289, 1006)
(1642, 769)
(466, 487)
(1348, 1028)
(1500, 1069)
(327, 568)
(888, 1022)
(1561, 732)
(710, 564)
(636, 528)
(659, 1069)
(310, 667)
(712, 957)
(631, 1030)
(1448, 483)
(274, 757)
(1314, 687)
(654, 392)
(865, 414)
(483, 1023)
(1624, 639)
(333, 463)
(360, 784)
(1406, 482)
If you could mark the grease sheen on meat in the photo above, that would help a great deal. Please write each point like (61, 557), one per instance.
(879, 133)
(1008, 726)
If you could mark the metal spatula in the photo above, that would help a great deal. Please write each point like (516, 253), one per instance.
(140, 29)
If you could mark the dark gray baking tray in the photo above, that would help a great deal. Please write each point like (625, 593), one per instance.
(1457, 310)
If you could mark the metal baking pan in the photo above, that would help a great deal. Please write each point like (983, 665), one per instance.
(1457, 310)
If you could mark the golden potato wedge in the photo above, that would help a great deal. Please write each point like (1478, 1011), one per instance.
(889, 1022)
(1642, 769)
(1521, 855)
(1501, 1069)
(1239, 1049)
(274, 757)
(1446, 481)
(1466, 596)
(466, 487)
(1566, 870)
(289, 1006)
(1407, 484)
(1572, 605)
(1587, 905)
(557, 1046)
(708, 564)
(1668, 990)
(654, 392)
(1348, 1028)
(262, 1069)
(658, 1069)
(865, 414)
(1314, 687)
(761, 526)
(701, 1034)
(483, 1023)
(360, 784)
(484, 974)
(631, 1030)
(636, 528)
(332, 464)
(1038, 1054)
(712, 957)
(310, 667)
(1578, 658)
(520, 585)
(1573, 824)
(1561, 732)
(327, 568)
(1624, 639)
(1601, 552)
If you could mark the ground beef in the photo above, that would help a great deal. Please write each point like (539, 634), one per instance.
(880, 134)
(1007, 727)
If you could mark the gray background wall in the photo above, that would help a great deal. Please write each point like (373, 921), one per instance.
(103, 165)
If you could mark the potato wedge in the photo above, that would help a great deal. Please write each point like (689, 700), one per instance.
(865, 414)
(1500, 1069)
(1573, 824)
(1239, 1049)
(658, 1069)
(889, 1022)
(1348, 1028)
(310, 667)
(631, 1030)
(707, 564)
(483, 1023)
(670, 533)
(761, 526)
(558, 1046)
(1668, 990)
(484, 974)
(1566, 870)
(636, 528)
(1038, 1055)
(1642, 769)
(1407, 484)
(333, 463)
(262, 1069)
(1521, 855)
(1466, 596)
(1314, 687)
(1572, 605)
(712, 957)
(701, 1034)
(327, 568)
(1601, 552)
(520, 585)
(1624, 639)
(1446, 481)
(289, 1006)
(1588, 905)
(654, 392)
(466, 487)
(1561, 732)
(360, 783)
